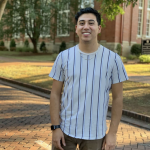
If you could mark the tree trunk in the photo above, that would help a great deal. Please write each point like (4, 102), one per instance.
(2, 7)
(34, 42)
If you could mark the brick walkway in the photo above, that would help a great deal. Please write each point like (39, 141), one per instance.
(25, 124)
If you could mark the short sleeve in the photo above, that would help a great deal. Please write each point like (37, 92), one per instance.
(57, 72)
(119, 73)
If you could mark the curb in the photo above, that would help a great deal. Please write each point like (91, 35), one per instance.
(134, 115)
(46, 91)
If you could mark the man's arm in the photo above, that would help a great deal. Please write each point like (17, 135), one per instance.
(55, 98)
(116, 113)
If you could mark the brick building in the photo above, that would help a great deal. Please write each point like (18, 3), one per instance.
(126, 29)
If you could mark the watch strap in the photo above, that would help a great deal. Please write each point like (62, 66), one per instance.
(53, 127)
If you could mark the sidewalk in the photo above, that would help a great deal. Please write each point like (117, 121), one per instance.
(25, 124)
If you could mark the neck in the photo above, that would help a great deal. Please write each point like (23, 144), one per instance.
(87, 47)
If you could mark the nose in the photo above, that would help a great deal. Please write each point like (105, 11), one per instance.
(86, 26)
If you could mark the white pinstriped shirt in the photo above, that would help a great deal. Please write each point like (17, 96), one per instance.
(87, 80)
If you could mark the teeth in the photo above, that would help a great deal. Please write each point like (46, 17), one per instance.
(86, 33)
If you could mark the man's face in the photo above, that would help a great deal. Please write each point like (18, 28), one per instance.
(87, 28)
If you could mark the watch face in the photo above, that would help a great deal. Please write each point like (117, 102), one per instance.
(53, 127)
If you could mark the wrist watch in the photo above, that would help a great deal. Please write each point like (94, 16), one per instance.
(53, 127)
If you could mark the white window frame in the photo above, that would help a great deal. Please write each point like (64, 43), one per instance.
(28, 24)
(87, 3)
(148, 19)
(141, 27)
(45, 35)
(67, 11)
(16, 35)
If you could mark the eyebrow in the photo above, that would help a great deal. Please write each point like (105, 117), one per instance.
(88, 20)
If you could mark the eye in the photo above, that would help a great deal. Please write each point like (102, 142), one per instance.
(81, 23)
(91, 23)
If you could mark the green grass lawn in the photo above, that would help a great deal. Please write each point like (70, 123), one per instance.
(36, 75)
(138, 69)
(29, 56)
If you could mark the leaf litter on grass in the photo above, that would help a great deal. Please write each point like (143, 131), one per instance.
(36, 75)
(136, 97)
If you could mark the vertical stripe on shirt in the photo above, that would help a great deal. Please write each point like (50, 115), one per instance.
(56, 66)
(76, 124)
(106, 90)
(72, 91)
(99, 89)
(67, 90)
(117, 68)
(85, 98)
(92, 97)
(124, 72)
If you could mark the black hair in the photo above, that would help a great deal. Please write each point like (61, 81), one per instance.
(88, 10)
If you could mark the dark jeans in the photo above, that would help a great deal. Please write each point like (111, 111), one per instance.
(71, 144)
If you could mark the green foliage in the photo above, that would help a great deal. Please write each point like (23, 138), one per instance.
(118, 49)
(26, 16)
(124, 59)
(145, 58)
(2, 43)
(132, 57)
(136, 49)
(110, 8)
(12, 43)
(26, 43)
(62, 47)
(24, 49)
(43, 47)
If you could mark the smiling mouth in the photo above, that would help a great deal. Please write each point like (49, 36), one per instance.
(86, 33)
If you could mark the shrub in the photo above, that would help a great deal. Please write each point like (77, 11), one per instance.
(145, 58)
(26, 43)
(12, 48)
(118, 49)
(62, 47)
(136, 49)
(28, 49)
(3, 48)
(43, 47)
(124, 59)
(132, 57)
(19, 49)
(24, 49)
(2, 43)
(12, 43)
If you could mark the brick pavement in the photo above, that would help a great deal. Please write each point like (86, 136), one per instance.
(25, 124)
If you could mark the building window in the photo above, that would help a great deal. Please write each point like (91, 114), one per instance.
(63, 21)
(16, 21)
(148, 19)
(87, 3)
(45, 28)
(140, 17)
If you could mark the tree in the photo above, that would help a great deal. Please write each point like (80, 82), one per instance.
(27, 17)
(2, 7)
(111, 8)
(64, 23)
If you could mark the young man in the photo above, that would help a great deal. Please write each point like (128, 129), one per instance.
(88, 71)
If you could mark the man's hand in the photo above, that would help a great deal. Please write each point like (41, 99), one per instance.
(58, 138)
(109, 142)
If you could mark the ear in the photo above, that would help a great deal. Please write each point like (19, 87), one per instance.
(76, 28)
(99, 28)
